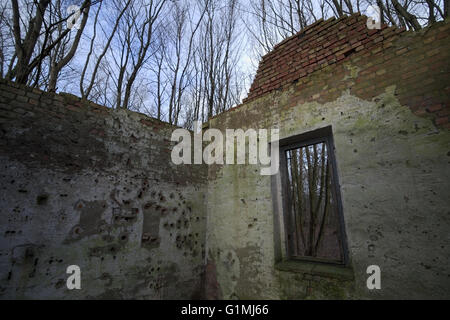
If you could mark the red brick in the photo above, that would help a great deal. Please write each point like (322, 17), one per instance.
(444, 112)
(401, 51)
(434, 107)
(442, 120)
(73, 108)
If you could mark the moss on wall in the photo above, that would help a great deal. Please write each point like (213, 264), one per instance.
(392, 166)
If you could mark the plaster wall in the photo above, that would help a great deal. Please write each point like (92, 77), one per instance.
(388, 106)
(393, 170)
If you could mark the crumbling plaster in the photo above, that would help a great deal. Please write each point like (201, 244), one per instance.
(393, 169)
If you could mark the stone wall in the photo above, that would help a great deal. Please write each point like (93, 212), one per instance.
(85, 185)
(388, 105)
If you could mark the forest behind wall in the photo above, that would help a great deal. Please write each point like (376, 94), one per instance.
(178, 61)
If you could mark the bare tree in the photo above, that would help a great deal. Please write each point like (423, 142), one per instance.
(85, 93)
(40, 24)
(410, 19)
(61, 56)
(131, 51)
(179, 61)
(194, 65)
(6, 38)
(216, 56)
(275, 20)
(180, 68)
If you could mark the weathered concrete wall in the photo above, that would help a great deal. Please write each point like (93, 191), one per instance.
(85, 185)
(82, 184)
(388, 108)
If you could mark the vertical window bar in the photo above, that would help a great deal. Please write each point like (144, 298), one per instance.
(314, 213)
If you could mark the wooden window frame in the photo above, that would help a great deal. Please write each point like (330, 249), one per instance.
(323, 135)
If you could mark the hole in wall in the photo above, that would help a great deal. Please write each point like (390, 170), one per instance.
(42, 199)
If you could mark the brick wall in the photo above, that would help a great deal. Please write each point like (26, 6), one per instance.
(384, 57)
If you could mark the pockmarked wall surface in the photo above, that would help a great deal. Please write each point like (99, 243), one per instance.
(386, 95)
(89, 186)
(85, 185)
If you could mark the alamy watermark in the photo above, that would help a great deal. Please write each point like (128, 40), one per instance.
(373, 14)
(374, 280)
(73, 20)
(213, 153)
(74, 280)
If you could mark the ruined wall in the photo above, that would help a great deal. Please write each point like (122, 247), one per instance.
(386, 94)
(86, 185)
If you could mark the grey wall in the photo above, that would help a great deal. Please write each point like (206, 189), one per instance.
(85, 185)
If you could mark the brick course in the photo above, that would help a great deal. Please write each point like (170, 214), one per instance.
(417, 63)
